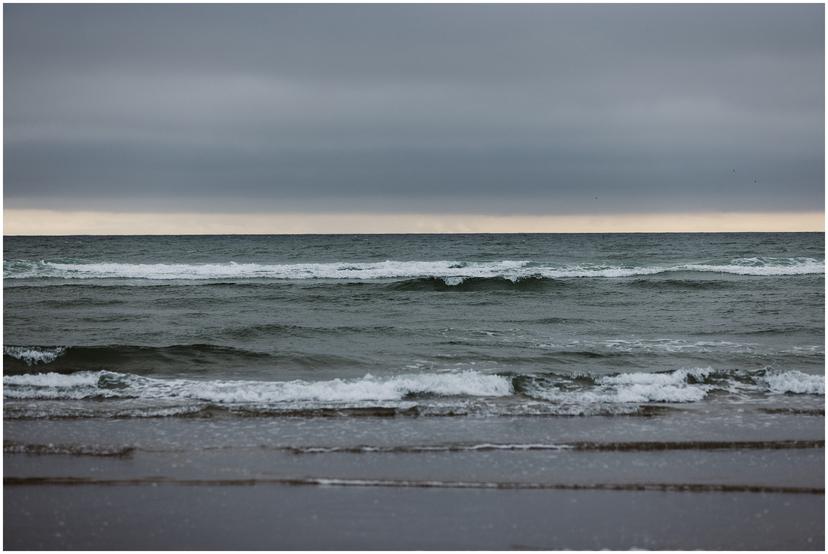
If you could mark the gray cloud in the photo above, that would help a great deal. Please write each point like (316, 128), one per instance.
(488, 109)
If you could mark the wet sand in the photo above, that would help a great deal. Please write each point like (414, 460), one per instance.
(299, 517)
(663, 482)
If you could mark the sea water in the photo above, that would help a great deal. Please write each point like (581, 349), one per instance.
(486, 325)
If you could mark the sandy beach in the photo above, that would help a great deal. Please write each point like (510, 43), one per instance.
(315, 483)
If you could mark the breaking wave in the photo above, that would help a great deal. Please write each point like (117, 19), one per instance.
(31, 355)
(794, 382)
(107, 384)
(437, 394)
(452, 273)
(678, 386)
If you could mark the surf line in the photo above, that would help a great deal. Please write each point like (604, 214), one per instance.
(398, 483)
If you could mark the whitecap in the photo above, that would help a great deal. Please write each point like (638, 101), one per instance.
(34, 354)
(119, 385)
(453, 272)
(794, 382)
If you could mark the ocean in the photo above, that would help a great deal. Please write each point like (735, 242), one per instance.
(617, 364)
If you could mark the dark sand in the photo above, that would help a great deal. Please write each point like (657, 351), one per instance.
(665, 482)
(307, 517)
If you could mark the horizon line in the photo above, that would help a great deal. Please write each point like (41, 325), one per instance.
(39, 222)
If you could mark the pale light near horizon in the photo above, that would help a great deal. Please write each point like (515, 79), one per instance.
(52, 222)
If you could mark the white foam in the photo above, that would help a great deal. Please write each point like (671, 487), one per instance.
(672, 378)
(368, 388)
(54, 380)
(653, 345)
(794, 382)
(764, 266)
(34, 354)
(453, 272)
(621, 393)
(805, 350)
(633, 388)
(626, 394)
(56, 386)
(597, 271)
(232, 270)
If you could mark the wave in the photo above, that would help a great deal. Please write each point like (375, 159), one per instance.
(62, 358)
(107, 384)
(19, 359)
(233, 270)
(794, 382)
(683, 284)
(32, 355)
(526, 283)
(761, 266)
(452, 273)
(438, 394)
(677, 386)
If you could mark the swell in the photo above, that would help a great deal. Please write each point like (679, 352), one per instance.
(282, 330)
(779, 330)
(684, 284)
(147, 359)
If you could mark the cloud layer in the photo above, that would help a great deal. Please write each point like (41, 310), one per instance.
(487, 109)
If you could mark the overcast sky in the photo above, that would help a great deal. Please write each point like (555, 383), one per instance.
(479, 109)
